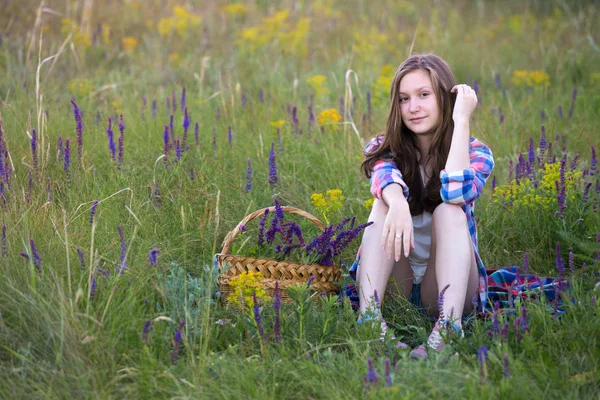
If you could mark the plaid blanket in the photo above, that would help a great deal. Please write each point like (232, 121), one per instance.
(504, 285)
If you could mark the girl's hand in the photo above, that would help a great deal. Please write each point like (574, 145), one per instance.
(466, 101)
(398, 230)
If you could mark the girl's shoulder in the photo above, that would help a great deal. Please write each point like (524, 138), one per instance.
(374, 143)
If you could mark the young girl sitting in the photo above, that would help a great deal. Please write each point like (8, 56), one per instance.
(426, 173)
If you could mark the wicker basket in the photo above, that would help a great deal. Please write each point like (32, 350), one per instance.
(286, 273)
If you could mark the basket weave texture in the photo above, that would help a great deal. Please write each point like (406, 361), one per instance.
(287, 273)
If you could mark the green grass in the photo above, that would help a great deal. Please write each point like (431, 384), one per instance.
(56, 342)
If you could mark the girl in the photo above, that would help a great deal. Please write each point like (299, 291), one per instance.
(426, 172)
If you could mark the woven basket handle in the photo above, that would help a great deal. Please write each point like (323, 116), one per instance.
(258, 213)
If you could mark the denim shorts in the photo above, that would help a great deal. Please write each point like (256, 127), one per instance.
(415, 298)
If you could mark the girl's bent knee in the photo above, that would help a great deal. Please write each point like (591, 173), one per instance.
(453, 213)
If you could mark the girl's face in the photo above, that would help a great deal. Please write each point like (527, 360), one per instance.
(418, 105)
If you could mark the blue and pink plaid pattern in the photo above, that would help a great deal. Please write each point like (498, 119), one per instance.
(458, 187)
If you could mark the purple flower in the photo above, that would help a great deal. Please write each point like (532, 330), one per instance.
(34, 149)
(197, 133)
(257, 317)
(229, 136)
(542, 115)
(177, 341)
(79, 128)
(586, 192)
(504, 331)
(172, 130)
(272, 166)
(244, 100)
(93, 211)
(92, 287)
(111, 141)
(531, 153)
(560, 112)
(249, 176)
(177, 149)
(440, 302)
(122, 261)
(261, 96)
(560, 266)
(214, 140)
(81, 258)
(501, 114)
(144, 104)
(121, 138)
(146, 331)
(277, 307)
(153, 256)
(4, 252)
(166, 141)
(506, 366)
(497, 80)
(29, 187)
(310, 281)
(372, 377)
(67, 159)
(573, 98)
(173, 101)
(24, 255)
(574, 163)
(186, 124)
(37, 260)
(493, 183)
(261, 234)
(482, 355)
(594, 162)
(571, 262)
(183, 102)
(388, 374)
(154, 108)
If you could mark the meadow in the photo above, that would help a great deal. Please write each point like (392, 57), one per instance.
(134, 135)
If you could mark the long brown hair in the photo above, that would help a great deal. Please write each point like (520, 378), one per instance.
(400, 143)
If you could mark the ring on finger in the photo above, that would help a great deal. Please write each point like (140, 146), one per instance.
(398, 235)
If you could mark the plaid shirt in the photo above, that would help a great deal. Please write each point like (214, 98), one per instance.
(458, 187)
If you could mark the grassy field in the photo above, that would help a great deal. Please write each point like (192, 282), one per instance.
(108, 288)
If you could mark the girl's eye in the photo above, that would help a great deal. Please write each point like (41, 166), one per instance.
(403, 99)
(424, 94)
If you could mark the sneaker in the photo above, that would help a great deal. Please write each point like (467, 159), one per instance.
(435, 341)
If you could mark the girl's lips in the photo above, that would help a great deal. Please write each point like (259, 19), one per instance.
(416, 120)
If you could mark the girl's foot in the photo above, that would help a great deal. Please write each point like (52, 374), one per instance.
(435, 341)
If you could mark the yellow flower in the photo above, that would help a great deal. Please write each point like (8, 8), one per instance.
(330, 116)
(530, 78)
(278, 124)
(244, 286)
(330, 203)
(235, 9)
(81, 87)
(105, 31)
(67, 25)
(129, 44)
(117, 106)
(83, 40)
(175, 59)
(318, 83)
(369, 203)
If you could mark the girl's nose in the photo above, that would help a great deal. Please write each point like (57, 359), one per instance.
(413, 106)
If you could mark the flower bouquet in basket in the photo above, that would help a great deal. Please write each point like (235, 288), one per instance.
(282, 254)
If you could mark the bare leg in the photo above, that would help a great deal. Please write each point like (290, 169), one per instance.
(375, 266)
(452, 262)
